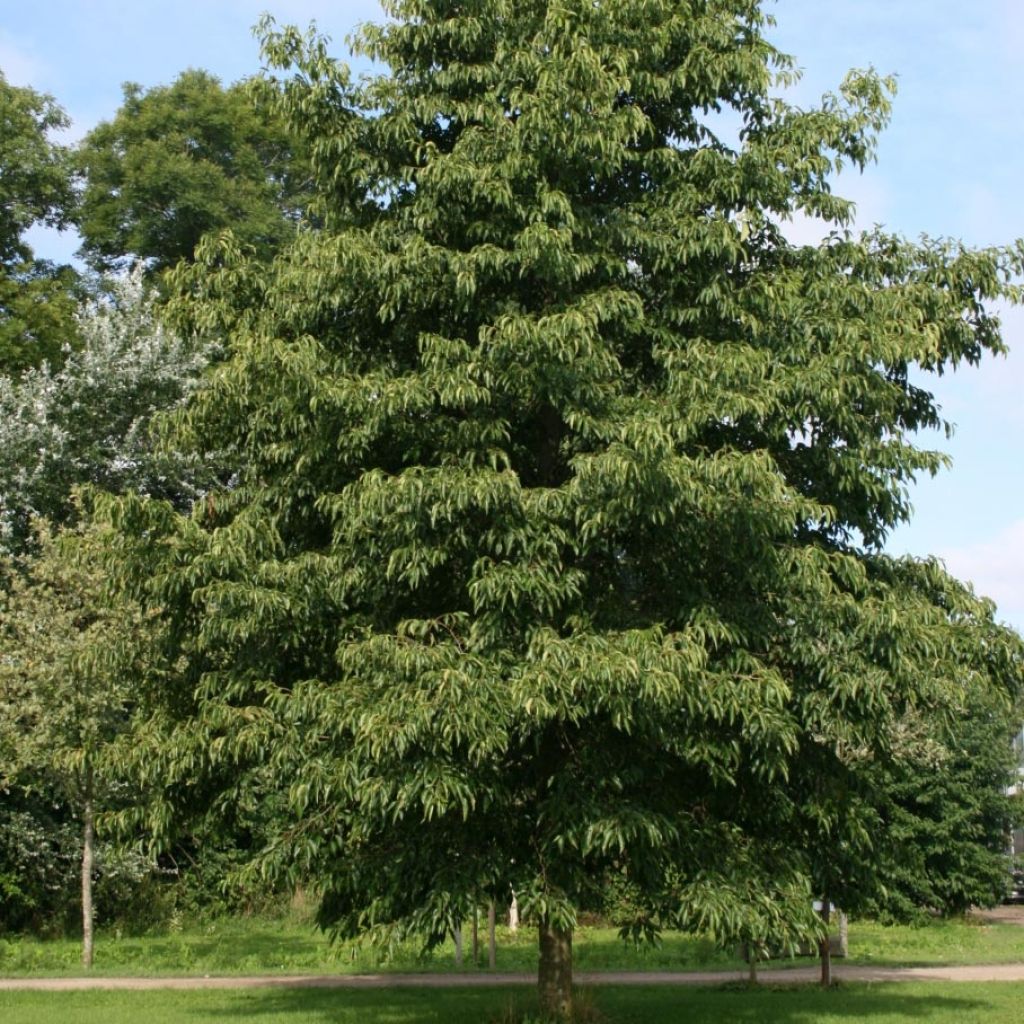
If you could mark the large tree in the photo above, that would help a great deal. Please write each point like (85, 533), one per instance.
(180, 160)
(560, 472)
(37, 299)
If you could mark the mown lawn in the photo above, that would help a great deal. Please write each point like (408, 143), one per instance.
(292, 946)
(935, 1003)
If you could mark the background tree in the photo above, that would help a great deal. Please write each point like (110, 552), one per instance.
(37, 299)
(550, 550)
(179, 161)
(71, 661)
(40, 856)
(944, 813)
(863, 796)
(947, 815)
(89, 421)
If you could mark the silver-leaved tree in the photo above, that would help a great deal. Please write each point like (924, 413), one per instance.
(551, 554)
(88, 421)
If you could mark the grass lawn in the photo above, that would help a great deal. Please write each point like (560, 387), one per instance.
(935, 1003)
(292, 946)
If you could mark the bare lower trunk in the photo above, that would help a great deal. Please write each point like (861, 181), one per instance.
(476, 935)
(513, 914)
(492, 946)
(554, 974)
(87, 858)
(457, 934)
(826, 946)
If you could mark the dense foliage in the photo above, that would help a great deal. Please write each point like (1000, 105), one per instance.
(89, 422)
(34, 183)
(37, 299)
(74, 656)
(179, 161)
(525, 536)
(947, 815)
(560, 474)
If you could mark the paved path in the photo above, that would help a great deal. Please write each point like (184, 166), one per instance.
(783, 976)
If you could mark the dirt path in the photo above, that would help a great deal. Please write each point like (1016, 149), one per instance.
(790, 976)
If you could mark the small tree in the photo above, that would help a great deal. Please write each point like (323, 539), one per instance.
(71, 659)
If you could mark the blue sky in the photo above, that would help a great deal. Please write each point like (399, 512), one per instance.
(949, 165)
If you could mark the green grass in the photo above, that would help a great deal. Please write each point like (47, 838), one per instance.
(292, 946)
(874, 1004)
(936, 942)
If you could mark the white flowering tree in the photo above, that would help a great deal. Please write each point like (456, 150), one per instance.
(89, 422)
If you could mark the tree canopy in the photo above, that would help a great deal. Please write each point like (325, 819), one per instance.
(178, 161)
(561, 474)
(37, 299)
(35, 187)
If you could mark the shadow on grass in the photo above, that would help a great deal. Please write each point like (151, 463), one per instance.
(633, 1005)
(347, 1006)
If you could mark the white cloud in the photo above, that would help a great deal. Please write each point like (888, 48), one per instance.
(996, 568)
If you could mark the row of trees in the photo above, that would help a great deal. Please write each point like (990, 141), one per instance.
(85, 365)
(542, 486)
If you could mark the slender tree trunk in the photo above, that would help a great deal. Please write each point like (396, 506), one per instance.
(476, 935)
(492, 946)
(87, 859)
(554, 974)
(826, 946)
(457, 933)
(513, 915)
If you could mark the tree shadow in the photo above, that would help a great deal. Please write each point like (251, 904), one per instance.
(359, 1006)
(893, 1003)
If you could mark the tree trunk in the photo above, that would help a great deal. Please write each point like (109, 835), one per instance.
(476, 935)
(826, 946)
(492, 947)
(554, 974)
(87, 859)
(457, 934)
(513, 915)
